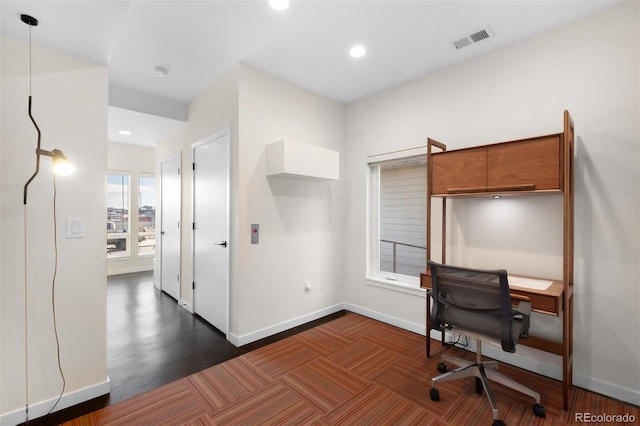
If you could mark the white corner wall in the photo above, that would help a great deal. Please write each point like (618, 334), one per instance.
(302, 222)
(135, 160)
(515, 92)
(70, 107)
(214, 110)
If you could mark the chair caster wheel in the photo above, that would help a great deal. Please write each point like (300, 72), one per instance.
(434, 394)
(538, 410)
(442, 367)
(478, 386)
(497, 423)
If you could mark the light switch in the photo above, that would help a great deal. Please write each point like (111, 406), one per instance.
(75, 228)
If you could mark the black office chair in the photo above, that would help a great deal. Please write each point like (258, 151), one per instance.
(477, 304)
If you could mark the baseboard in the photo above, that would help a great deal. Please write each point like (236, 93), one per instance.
(186, 305)
(283, 326)
(68, 400)
(630, 396)
(387, 319)
(129, 270)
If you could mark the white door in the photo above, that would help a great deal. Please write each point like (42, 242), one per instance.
(211, 229)
(170, 207)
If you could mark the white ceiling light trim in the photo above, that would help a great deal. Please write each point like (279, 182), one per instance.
(358, 51)
(279, 4)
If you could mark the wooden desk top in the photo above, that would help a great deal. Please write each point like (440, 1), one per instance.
(548, 302)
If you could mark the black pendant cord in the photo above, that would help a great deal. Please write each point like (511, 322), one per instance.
(26, 185)
(30, 58)
(31, 22)
(53, 295)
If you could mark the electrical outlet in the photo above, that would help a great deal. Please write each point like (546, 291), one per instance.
(307, 286)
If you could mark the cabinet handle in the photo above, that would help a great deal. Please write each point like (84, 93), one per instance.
(520, 187)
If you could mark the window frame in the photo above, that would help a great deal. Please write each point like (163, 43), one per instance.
(374, 276)
(119, 255)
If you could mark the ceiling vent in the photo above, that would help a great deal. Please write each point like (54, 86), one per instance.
(474, 37)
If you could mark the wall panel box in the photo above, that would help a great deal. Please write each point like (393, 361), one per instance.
(292, 159)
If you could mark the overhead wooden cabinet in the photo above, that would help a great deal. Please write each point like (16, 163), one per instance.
(534, 164)
(459, 171)
(541, 164)
(526, 165)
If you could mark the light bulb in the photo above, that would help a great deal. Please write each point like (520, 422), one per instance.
(63, 167)
(358, 51)
(279, 4)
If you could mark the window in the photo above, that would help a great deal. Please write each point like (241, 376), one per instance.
(146, 215)
(398, 193)
(117, 214)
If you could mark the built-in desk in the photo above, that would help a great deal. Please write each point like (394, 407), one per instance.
(548, 302)
(535, 165)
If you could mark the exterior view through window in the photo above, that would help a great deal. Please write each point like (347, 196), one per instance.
(400, 188)
(147, 215)
(117, 214)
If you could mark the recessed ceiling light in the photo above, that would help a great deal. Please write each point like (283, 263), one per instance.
(160, 72)
(279, 4)
(124, 132)
(358, 51)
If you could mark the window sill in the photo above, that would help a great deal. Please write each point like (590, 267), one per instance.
(123, 257)
(403, 287)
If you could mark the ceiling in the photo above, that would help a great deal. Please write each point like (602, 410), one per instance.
(307, 44)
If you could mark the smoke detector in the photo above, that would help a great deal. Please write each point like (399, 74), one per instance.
(474, 37)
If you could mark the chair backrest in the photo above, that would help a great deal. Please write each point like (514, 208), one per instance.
(475, 300)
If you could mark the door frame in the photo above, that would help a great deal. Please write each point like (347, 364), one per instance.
(177, 156)
(208, 139)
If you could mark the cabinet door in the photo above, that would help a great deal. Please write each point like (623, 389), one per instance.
(527, 165)
(459, 171)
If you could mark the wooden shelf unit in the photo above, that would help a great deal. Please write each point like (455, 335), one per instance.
(542, 164)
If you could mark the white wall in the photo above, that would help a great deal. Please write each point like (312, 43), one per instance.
(70, 107)
(135, 160)
(516, 92)
(301, 222)
(214, 110)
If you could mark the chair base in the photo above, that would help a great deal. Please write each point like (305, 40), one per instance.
(483, 371)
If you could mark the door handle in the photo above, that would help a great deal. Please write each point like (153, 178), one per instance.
(161, 232)
(223, 244)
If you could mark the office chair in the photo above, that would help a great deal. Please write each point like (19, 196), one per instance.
(477, 304)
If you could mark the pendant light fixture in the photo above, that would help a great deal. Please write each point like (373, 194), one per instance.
(61, 166)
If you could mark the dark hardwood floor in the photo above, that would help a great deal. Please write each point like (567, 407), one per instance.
(151, 341)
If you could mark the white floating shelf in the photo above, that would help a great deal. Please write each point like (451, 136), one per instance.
(292, 159)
